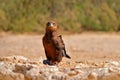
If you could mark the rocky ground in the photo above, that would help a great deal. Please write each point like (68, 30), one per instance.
(21, 68)
(95, 56)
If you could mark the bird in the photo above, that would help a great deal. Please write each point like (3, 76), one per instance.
(53, 44)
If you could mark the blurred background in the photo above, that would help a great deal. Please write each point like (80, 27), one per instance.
(73, 16)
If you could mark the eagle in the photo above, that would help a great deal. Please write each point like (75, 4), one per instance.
(53, 44)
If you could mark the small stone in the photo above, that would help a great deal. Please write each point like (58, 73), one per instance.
(73, 73)
(92, 76)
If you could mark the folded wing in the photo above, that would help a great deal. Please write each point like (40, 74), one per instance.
(60, 46)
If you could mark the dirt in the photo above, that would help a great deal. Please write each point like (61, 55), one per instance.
(86, 46)
(90, 52)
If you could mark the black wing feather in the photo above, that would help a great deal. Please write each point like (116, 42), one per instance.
(60, 46)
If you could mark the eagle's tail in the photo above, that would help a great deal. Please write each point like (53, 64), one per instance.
(67, 56)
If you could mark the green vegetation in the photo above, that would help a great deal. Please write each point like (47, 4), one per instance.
(21, 16)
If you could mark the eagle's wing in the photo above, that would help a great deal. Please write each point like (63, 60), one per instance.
(60, 46)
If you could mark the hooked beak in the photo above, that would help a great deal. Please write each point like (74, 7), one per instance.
(51, 25)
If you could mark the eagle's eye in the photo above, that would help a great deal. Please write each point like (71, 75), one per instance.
(51, 24)
(48, 23)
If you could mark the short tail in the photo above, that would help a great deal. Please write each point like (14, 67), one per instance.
(67, 56)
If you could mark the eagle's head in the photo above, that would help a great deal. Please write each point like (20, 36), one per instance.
(51, 26)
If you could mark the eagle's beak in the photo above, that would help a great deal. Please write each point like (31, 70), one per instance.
(51, 24)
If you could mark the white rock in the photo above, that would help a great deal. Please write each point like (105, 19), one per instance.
(102, 71)
(112, 63)
(33, 72)
(115, 69)
(53, 68)
(81, 65)
(6, 68)
(1, 63)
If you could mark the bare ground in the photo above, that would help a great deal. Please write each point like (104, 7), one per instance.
(86, 46)
(88, 50)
